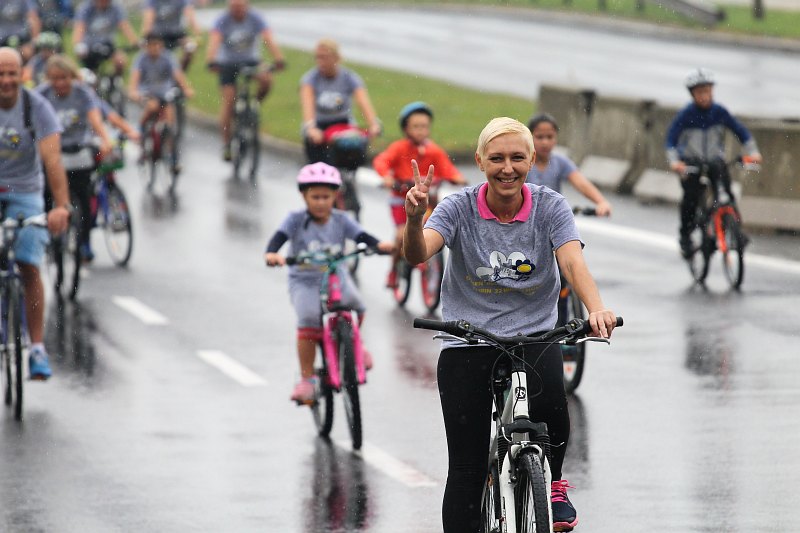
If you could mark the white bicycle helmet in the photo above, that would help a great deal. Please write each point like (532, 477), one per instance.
(319, 174)
(699, 76)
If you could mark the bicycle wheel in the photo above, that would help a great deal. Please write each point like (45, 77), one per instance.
(254, 152)
(531, 494)
(491, 510)
(322, 408)
(13, 346)
(68, 258)
(403, 273)
(238, 149)
(699, 255)
(574, 356)
(733, 256)
(350, 193)
(6, 364)
(432, 281)
(347, 365)
(116, 224)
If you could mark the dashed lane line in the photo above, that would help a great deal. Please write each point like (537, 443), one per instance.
(231, 368)
(147, 315)
(391, 466)
(665, 242)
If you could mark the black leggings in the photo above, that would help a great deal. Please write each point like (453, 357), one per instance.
(464, 375)
(717, 170)
(80, 190)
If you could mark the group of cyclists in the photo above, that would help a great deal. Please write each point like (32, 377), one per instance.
(514, 232)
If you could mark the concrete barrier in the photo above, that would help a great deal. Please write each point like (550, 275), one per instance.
(571, 108)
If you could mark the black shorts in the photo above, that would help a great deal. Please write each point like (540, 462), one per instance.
(97, 55)
(228, 72)
(172, 39)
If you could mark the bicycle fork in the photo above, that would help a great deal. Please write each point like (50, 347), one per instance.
(521, 436)
(330, 319)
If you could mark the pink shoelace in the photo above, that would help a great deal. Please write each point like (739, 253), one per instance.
(558, 490)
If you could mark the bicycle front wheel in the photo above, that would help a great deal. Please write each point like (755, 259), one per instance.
(68, 258)
(13, 348)
(533, 507)
(322, 408)
(491, 510)
(733, 256)
(699, 255)
(432, 281)
(402, 287)
(117, 228)
(255, 153)
(574, 356)
(347, 364)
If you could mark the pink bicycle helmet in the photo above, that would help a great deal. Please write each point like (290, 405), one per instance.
(319, 174)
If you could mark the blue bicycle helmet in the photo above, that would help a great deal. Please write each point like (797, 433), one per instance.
(410, 109)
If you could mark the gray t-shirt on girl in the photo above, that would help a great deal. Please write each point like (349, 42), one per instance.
(309, 236)
(14, 17)
(240, 38)
(333, 97)
(20, 167)
(557, 171)
(156, 74)
(101, 24)
(72, 111)
(502, 277)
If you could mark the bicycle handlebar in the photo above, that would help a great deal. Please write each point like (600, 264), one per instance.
(571, 331)
(326, 258)
(585, 211)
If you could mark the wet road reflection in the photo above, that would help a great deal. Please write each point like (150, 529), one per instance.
(69, 336)
(414, 360)
(578, 457)
(339, 499)
(243, 208)
(709, 351)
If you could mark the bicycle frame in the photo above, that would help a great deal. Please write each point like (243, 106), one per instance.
(330, 298)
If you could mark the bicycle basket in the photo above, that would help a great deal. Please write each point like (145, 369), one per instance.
(347, 146)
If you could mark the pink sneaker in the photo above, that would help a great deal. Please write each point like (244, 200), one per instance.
(564, 516)
(303, 392)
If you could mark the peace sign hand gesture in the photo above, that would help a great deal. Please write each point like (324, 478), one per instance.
(417, 196)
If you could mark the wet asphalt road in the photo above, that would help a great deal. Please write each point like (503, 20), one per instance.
(515, 53)
(687, 423)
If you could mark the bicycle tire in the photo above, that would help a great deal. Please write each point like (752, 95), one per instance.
(117, 227)
(5, 358)
(238, 150)
(733, 256)
(255, 152)
(14, 329)
(574, 357)
(491, 507)
(322, 408)
(68, 258)
(347, 366)
(531, 495)
(431, 279)
(700, 254)
(402, 289)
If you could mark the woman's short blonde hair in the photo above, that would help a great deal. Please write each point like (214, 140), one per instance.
(503, 126)
(330, 45)
(64, 64)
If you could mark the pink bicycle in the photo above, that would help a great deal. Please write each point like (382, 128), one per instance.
(341, 361)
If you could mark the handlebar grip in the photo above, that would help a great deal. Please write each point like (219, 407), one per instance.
(586, 328)
(438, 325)
(291, 261)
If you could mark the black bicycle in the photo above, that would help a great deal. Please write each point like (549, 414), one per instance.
(67, 258)
(516, 495)
(13, 327)
(717, 225)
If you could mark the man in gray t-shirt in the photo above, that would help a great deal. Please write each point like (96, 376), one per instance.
(19, 25)
(96, 25)
(21, 188)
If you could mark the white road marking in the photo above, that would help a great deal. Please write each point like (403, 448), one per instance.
(391, 466)
(231, 368)
(144, 313)
(665, 242)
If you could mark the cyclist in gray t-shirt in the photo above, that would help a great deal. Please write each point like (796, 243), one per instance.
(19, 25)
(326, 95)
(170, 19)
(96, 25)
(507, 242)
(22, 142)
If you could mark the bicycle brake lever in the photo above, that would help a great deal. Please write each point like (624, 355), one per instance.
(593, 339)
(447, 336)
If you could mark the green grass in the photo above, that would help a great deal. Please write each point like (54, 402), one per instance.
(460, 113)
(739, 19)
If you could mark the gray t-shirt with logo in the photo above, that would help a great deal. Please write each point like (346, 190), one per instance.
(156, 74)
(240, 38)
(168, 15)
(14, 17)
(557, 171)
(333, 97)
(502, 277)
(72, 111)
(101, 24)
(20, 167)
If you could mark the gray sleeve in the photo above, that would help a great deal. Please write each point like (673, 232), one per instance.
(44, 118)
(352, 229)
(444, 218)
(355, 81)
(562, 223)
(289, 224)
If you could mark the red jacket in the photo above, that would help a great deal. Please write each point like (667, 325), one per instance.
(396, 160)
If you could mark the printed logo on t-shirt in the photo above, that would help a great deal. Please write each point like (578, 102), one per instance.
(330, 101)
(516, 267)
(101, 24)
(9, 138)
(68, 117)
(240, 40)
